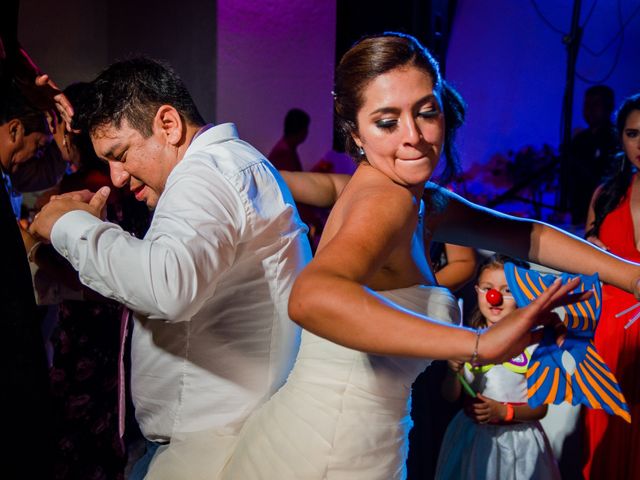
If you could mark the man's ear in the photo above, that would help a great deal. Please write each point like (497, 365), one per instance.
(16, 131)
(168, 123)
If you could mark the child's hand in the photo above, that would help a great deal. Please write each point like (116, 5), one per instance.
(455, 366)
(485, 410)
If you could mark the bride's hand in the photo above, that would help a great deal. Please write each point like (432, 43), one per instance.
(513, 334)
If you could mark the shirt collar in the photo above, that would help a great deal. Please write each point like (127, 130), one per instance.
(213, 134)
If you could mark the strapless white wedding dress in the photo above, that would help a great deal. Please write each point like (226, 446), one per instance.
(342, 414)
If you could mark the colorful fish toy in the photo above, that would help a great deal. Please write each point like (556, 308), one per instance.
(574, 372)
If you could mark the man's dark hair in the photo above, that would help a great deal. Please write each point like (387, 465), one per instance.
(14, 105)
(296, 121)
(134, 89)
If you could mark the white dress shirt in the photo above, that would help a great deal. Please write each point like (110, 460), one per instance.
(208, 284)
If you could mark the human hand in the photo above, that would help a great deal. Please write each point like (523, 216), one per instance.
(52, 211)
(597, 242)
(455, 366)
(485, 410)
(49, 93)
(513, 334)
(84, 196)
(635, 288)
(560, 329)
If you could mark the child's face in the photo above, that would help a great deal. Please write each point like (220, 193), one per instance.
(494, 278)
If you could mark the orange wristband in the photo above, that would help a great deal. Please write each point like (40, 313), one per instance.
(508, 417)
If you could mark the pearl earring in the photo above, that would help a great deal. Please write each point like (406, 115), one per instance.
(361, 152)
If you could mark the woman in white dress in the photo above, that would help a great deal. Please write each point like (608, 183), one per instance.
(371, 314)
(497, 435)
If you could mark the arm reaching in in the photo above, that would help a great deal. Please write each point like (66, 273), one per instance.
(40, 89)
(458, 221)
(314, 188)
(460, 268)
(451, 387)
(52, 96)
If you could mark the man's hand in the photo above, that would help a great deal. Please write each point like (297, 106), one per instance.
(47, 90)
(52, 211)
(79, 195)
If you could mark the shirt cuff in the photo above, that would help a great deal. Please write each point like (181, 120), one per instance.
(69, 230)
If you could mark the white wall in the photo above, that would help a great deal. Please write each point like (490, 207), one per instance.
(274, 55)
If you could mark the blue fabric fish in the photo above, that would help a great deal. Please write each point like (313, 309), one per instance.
(573, 373)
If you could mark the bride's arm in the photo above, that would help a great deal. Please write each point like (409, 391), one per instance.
(330, 297)
(459, 221)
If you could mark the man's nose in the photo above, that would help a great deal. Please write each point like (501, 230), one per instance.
(119, 177)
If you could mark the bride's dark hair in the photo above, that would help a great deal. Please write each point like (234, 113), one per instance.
(375, 55)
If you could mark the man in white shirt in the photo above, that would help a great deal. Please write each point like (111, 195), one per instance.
(209, 282)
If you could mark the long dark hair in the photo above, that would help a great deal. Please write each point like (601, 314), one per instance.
(497, 260)
(615, 187)
(378, 54)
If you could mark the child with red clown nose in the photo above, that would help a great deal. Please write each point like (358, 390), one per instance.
(497, 435)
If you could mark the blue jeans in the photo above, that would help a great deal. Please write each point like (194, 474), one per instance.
(140, 468)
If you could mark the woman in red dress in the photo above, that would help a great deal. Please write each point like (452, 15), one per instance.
(611, 445)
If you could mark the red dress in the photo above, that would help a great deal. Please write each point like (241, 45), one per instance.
(611, 445)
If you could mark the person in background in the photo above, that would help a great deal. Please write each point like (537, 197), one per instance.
(284, 155)
(612, 446)
(24, 132)
(25, 95)
(498, 435)
(86, 336)
(591, 150)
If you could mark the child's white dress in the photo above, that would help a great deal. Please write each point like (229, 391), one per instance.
(515, 451)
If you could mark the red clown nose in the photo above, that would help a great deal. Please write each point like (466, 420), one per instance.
(494, 297)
